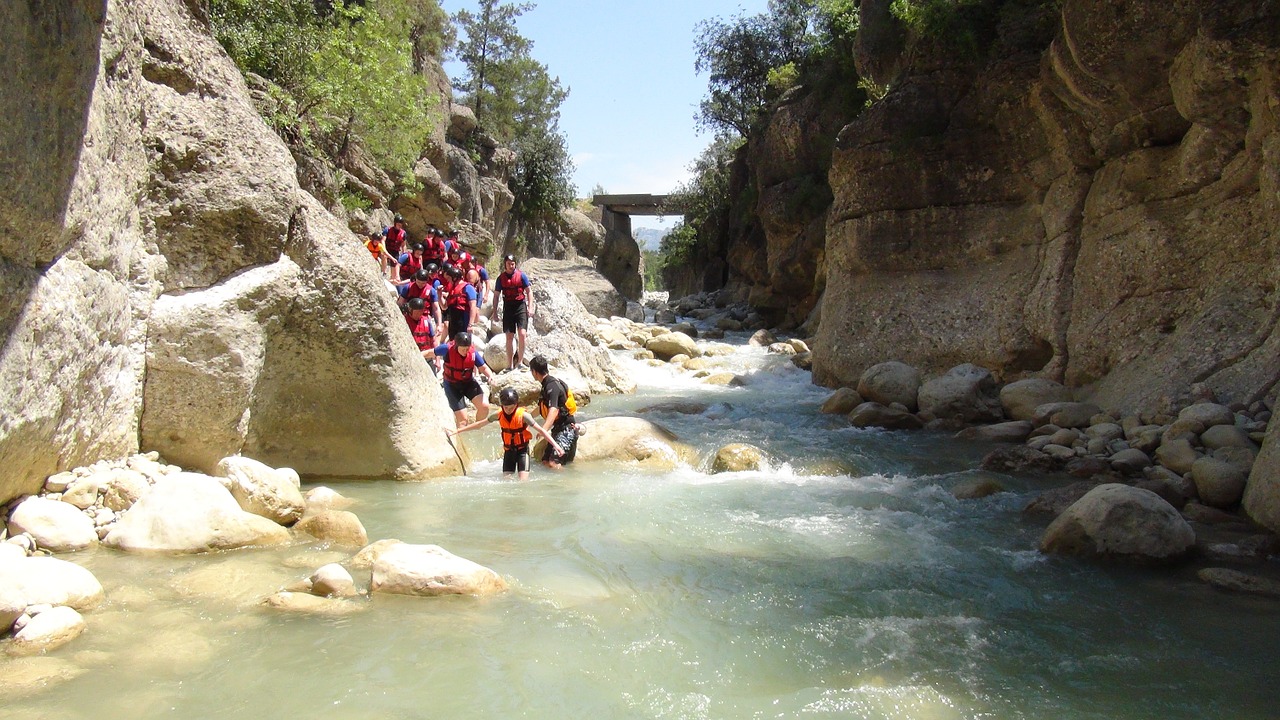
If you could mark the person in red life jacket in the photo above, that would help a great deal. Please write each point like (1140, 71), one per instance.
(411, 262)
(515, 424)
(557, 420)
(378, 251)
(462, 259)
(453, 240)
(421, 288)
(434, 248)
(483, 286)
(422, 329)
(395, 237)
(517, 307)
(459, 303)
(459, 363)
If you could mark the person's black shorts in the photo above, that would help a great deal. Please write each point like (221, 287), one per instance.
(515, 315)
(457, 321)
(459, 393)
(516, 460)
(567, 438)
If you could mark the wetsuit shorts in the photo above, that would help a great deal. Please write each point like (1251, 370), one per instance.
(516, 460)
(567, 438)
(457, 320)
(458, 393)
(515, 315)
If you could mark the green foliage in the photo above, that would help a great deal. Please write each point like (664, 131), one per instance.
(678, 246)
(653, 263)
(704, 198)
(354, 201)
(516, 99)
(346, 70)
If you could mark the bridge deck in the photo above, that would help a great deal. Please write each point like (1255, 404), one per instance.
(636, 204)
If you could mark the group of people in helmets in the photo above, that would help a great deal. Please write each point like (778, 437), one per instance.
(441, 288)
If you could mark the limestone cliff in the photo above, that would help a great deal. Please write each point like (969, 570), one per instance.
(166, 282)
(1097, 204)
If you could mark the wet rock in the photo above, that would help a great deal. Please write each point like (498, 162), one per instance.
(364, 559)
(685, 328)
(260, 490)
(50, 629)
(332, 580)
(841, 402)
(191, 513)
(724, 378)
(762, 338)
(737, 457)
(1202, 513)
(966, 392)
(678, 407)
(873, 414)
(976, 488)
(1007, 432)
(803, 360)
(1087, 467)
(1021, 398)
(890, 382)
(632, 440)
(781, 348)
(1237, 581)
(1262, 494)
(668, 345)
(429, 570)
(53, 524)
(306, 603)
(43, 580)
(27, 676)
(1059, 453)
(1018, 459)
(798, 345)
(323, 498)
(1119, 521)
(335, 526)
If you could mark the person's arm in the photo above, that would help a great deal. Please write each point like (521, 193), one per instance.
(435, 308)
(550, 419)
(529, 423)
(473, 426)
(528, 293)
(482, 366)
(474, 313)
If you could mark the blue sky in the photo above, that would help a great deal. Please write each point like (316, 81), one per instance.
(633, 91)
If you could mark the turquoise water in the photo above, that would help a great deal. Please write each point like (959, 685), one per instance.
(843, 582)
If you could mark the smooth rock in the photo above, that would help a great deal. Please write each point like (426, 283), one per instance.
(1131, 461)
(666, 346)
(44, 580)
(737, 457)
(48, 630)
(631, 440)
(369, 554)
(191, 513)
(1018, 459)
(332, 580)
(890, 382)
(762, 338)
(1066, 414)
(1208, 414)
(1055, 501)
(1219, 483)
(1015, 431)
(53, 524)
(259, 489)
(429, 570)
(1236, 581)
(1021, 398)
(324, 498)
(976, 488)
(966, 392)
(122, 487)
(1177, 455)
(1222, 436)
(873, 414)
(1119, 521)
(842, 402)
(306, 603)
(339, 527)
(82, 494)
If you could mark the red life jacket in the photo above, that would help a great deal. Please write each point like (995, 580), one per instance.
(458, 299)
(433, 250)
(512, 286)
(515, 434)
(423, 333)
(395, 240)
(410, 266)
(459, 368)
(414, 291)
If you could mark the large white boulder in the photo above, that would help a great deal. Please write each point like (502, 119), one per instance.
(55, 525)
(261, 490)
(52, 628)
(630, 440)
(891, 382)
(191, 513)
(429, 570)
(43, 580)
(669, 345)
(1120, 521)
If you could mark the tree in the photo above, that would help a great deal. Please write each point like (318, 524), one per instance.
(542, 179)
(489, 41)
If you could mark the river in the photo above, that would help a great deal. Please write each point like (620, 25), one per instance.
(843, 582)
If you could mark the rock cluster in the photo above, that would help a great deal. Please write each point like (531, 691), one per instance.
(141, 504)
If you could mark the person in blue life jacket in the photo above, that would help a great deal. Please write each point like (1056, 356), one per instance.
(459, 362)
(516, 425)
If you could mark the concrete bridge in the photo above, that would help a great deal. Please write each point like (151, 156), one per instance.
(620, 257)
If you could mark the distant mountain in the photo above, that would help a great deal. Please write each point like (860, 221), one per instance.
(648, 238)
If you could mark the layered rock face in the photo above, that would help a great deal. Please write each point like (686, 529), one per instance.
(1102, 212)
(166, 283)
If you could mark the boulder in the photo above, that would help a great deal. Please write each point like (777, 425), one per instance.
(631, 440)
(762, 338)
(324, 498)
(1130, 462)
(976, 488)
(1262, 494)
(1219, 483)
(1018, 459)
(668, 345)
(122, 488)
(1015, 431)
(966, 392)
(82, 493)
(1221, 436)
(781, 348)
(332, 580)
(50, 629)
(335, 526)
(43, 580)
(369, 554)
(873, 414)
(1055, 501)
(261, 490)
(191, 513)
(737, 457)
(597, 295)
(1021, 398)
(429, 570)
(1119, 521)
(1241, 582)
(1176, 454)
(1065, 414)
(891, 382)
(55, 525)
(1208, 414)
(842, 402)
